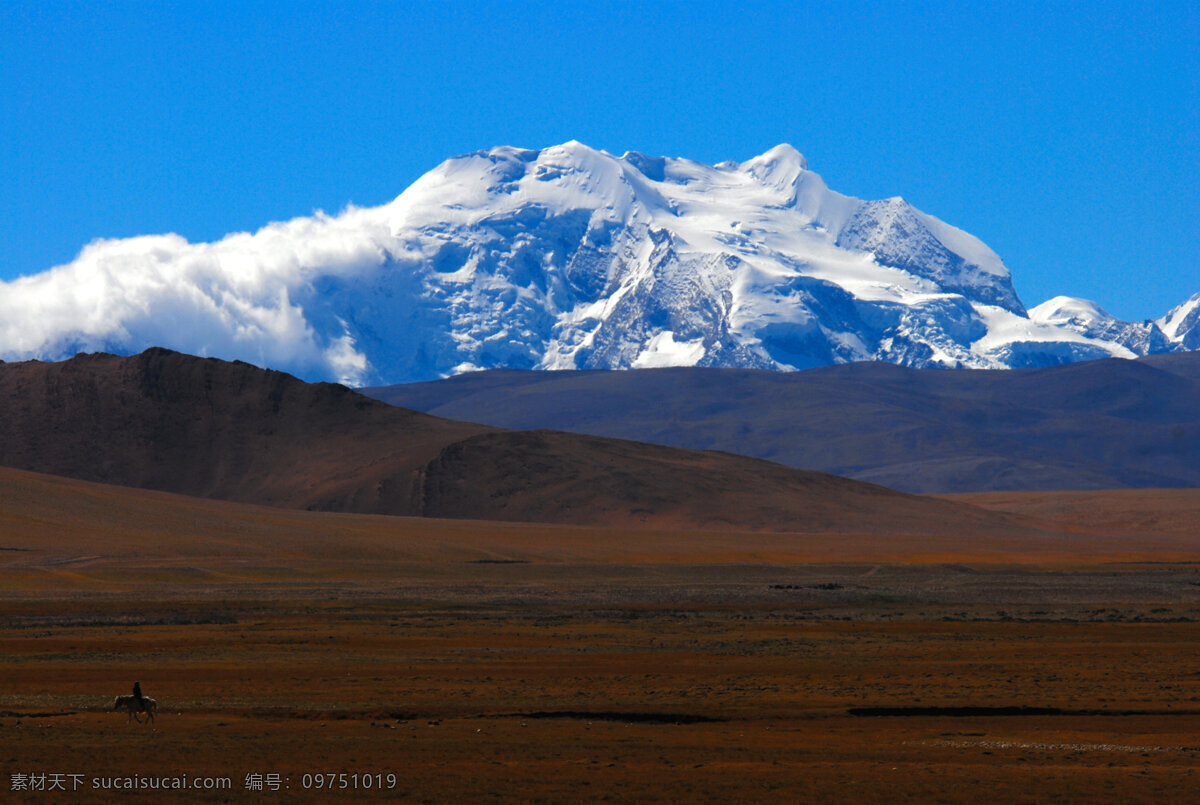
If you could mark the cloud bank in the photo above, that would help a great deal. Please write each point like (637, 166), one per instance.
(240, 298)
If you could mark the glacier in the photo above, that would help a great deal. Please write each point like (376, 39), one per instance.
(1182, 324)
(573, 258)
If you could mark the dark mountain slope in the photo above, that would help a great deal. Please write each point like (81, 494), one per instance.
(209, 428)
(550, 476)
(1095, 425)
(165, 421)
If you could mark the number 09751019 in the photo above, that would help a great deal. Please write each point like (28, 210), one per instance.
(340, 781)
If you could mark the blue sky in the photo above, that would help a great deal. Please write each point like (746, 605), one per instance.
(1066, 136)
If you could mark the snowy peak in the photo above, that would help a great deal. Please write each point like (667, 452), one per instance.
(1093, 322)
(1072, 311)
(779, 168)
(646, 260)
(1182, 324)
(782, 157)
(899, 235)
(568, 257)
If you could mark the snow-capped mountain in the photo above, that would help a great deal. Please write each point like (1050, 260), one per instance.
(568, 257)
(1092, 321)
(1182, 325)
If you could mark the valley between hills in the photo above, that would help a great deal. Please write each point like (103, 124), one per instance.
(308, 580)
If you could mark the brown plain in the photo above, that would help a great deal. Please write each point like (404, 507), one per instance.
(495, 661)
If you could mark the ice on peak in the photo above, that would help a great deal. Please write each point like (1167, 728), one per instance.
(779, 166)
(1087, 318)
(582, 153)
(653, 168)
(571, 257)
(1068, 309)
(578, 157)
(783, 154)
(1182, 323)
(1180, 312)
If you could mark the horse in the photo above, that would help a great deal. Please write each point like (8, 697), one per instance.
(135, 706)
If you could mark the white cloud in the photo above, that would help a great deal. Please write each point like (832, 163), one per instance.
(232, 299)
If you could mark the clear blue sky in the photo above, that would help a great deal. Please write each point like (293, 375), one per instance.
(1065, 135)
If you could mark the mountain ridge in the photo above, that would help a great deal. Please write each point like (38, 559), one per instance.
(569, 257)
(1092, 425)
(207, 428)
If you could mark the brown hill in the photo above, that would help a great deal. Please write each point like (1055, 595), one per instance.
(548, 476)
(210, 428)
(203, 427)
(1158, 515)
(62, 533)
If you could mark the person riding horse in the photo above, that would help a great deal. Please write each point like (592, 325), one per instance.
(135, 707)
(137, 691)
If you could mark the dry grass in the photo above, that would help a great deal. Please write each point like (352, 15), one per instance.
(585, 663)
(656, 702)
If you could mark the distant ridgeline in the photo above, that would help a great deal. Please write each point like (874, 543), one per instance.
(1092, 425)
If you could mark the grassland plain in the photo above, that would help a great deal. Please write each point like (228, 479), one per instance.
(495, 661)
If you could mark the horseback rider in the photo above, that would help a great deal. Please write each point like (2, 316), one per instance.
(137, 691)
